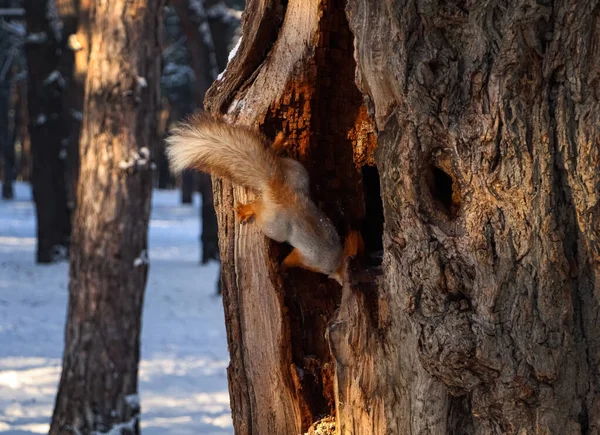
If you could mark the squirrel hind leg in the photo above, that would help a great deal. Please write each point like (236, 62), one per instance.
(278, 145)
(294, 259)
(247, 212)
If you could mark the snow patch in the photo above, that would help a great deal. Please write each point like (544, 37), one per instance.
(224, 13)
(73, 43)
(141, 260)
(16, 29)
(175, 75)
(118, 429)
(37, 38)
(182, 381)
(232, 54)
(55, 77)
(54, 20)
(133, 400)
(141, 82)
(76, 115)
(138, 160)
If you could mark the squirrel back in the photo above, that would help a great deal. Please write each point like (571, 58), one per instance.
(283, 209)
(236, 153)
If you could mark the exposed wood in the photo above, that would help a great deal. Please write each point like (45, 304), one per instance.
(98, 386)
(281, 372)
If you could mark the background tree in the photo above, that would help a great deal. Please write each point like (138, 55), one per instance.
(49, 144)
(11, 42)
(485, 118)
(98, 384)
(6, 54)
(201, 35)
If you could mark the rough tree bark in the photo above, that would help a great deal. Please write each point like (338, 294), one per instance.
(109, 260)
(75, 16)
(45, 85)
(486, 117)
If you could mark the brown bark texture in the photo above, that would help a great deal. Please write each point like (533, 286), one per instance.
(76, 17)
(109, 263)
(482, 119)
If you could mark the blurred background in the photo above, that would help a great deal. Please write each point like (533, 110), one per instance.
(182, 377)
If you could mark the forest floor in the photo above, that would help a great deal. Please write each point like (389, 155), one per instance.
(183, 380)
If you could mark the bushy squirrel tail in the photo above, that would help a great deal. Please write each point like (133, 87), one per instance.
(237, 153)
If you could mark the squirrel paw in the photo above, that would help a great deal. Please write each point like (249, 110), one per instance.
(244, 212)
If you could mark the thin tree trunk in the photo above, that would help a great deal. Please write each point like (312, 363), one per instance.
(7, 57)
(194, 23)
(46, 129)
(224, 26)
(24, 165)
(9, 169)
(209, 238)
(109, 260)
(5, 121)
(488, 148)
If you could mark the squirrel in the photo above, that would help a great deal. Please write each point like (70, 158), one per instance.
(283, 208)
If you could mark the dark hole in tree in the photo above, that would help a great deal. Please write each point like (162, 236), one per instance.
(442, 189)
(372, 227)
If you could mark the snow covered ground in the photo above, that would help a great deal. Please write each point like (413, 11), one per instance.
(183, 381)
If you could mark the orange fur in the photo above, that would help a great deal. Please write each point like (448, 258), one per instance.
(294, 259)
(279, 142)
(353, 245)
(247, 212)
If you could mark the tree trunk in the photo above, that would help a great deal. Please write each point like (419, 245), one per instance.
(209, 238)
(109, 260)
(9, 53)
(194, 23)
(224, 27)
(5, 101)
(488, 145)
(46, 129)
(12, 134)
(24, 160)
(76, 16)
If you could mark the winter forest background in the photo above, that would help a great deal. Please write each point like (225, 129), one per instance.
(44, 56)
